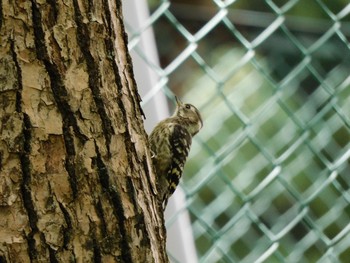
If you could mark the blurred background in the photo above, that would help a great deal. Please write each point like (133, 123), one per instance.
(268, 175)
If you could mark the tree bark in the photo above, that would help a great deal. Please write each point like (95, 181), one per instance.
(76, 183)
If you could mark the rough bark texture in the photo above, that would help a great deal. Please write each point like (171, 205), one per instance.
(74, 164)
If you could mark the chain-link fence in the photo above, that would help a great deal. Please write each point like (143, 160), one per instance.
(269, 174)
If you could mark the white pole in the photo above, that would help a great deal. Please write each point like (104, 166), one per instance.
(180, 243)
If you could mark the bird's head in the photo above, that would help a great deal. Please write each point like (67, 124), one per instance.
(190, 116)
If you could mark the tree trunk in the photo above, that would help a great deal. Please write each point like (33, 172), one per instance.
(75, 176)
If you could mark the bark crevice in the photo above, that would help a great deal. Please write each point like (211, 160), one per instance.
(69, 228)
(26, 186)
(83, 40)
(56, 77)
(52, 255)
(110, 46)
(116, 202)
(19, 76)
(3, 259)
(60, 95)
(103, 225)
(70, 159)
(54, 12)
(1, 14)
(96, 250)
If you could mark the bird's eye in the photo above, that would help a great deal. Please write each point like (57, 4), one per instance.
(188, 106)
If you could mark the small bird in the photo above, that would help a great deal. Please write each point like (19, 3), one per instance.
(170, 143)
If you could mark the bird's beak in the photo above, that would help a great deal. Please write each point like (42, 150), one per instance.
(178, 102)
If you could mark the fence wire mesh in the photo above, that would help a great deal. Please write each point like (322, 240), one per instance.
(268, 176)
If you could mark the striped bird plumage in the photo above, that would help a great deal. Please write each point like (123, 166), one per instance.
(170, 143)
